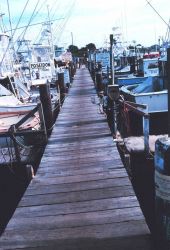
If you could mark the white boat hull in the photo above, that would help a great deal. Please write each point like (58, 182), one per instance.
(7, 110)
(155, 101)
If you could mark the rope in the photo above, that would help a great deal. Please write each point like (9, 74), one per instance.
(10, 153)
(3, 154)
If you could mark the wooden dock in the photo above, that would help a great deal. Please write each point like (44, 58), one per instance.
(81, 197)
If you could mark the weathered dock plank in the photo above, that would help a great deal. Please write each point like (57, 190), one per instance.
(81, 197)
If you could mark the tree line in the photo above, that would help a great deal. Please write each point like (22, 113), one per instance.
(83, 52)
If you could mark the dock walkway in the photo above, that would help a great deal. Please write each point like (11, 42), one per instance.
(81, 197)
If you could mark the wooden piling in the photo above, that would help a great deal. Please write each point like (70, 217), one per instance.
(111, 58)
(99, 84)
(71, 71)
(168, 75)
(45, 98)
(61, 86)
(93, 71)
(132, 64)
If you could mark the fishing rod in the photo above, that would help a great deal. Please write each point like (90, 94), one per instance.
(60, 28)
(13, 33)
(44, 22)
(157, 13)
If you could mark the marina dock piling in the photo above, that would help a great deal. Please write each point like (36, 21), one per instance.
(99, 85)
(45, 98)
(113, 94)
(61, 86)
(168, 75)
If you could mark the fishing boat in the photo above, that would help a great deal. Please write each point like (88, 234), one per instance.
(9, 101)
(6, 122)
(146, 67)
(12, 110)
(130, 79)
(152, 94)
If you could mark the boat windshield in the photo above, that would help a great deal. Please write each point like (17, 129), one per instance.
(4, 91)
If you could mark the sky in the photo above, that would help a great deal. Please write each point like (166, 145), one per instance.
(84, 21)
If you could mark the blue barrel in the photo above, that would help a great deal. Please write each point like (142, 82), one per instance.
(162, 190)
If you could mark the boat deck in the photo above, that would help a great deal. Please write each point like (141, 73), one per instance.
(81, 197)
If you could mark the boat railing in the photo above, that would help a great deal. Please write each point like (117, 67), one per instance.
(14, 132)
(15, 127)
